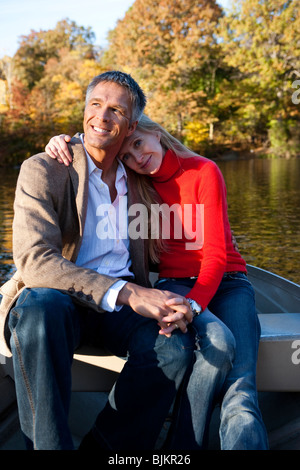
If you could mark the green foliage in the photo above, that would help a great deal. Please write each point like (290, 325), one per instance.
(261, 42)
(284, 137)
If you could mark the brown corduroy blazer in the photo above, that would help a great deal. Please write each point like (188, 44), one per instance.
(50, 210)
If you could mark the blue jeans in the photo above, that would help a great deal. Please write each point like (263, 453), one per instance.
(241, 424)
(46, 327)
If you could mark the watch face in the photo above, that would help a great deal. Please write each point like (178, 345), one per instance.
(195, 307)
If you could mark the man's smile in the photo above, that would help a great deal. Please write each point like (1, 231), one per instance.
(100, 130)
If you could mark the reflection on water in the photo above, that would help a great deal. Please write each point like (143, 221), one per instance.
(263, 200)
(7, 191)
(263, 206)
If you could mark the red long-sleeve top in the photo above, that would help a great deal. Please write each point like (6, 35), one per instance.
(196, 182)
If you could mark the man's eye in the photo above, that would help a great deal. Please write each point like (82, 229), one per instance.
(137, 143)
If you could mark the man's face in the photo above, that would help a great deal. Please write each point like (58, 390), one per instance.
(107, 117)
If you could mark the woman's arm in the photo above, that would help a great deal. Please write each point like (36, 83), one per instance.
(212, 194)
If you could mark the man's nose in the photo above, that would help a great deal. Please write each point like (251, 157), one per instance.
(103, 114)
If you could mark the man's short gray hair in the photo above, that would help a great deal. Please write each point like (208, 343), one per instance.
(138, 98)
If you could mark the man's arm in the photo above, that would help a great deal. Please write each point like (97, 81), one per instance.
(45, 233)
(45, 223)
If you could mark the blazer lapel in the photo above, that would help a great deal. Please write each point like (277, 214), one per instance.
(138, 247)
(79, 176)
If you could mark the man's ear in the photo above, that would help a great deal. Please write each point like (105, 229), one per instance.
(131, 128)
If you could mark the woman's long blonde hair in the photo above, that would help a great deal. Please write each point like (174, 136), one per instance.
(167, 140)
(146, 190)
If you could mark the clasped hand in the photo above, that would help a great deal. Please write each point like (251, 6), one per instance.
(170, 310)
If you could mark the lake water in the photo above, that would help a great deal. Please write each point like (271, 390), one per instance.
(263, 205)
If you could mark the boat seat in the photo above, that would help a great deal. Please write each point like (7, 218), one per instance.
(95, 370)
(278, 367)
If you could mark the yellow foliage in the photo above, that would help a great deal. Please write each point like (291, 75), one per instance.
(89, 69)
(57, 78)
(195, 132)
(3, 108)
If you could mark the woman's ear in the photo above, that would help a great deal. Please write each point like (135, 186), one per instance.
(158, 135)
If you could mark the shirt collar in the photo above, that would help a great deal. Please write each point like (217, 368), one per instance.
(92, 167)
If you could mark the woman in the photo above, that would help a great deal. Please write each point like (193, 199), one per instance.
(206, 269)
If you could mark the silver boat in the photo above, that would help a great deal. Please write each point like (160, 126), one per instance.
(278, 368)
(278, 307)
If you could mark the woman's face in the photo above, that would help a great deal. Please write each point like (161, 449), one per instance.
(142, 152)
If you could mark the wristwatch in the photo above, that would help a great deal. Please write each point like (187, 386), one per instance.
(196, 308)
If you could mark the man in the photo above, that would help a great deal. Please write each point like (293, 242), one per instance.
(72, 286)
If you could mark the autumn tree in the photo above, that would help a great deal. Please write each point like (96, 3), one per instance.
(39, 46)
(6, 74)
(170, 48)
(50, 73)
(210, 77)
(261, 42)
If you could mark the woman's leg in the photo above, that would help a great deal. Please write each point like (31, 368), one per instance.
(213, 356)
(241, 422)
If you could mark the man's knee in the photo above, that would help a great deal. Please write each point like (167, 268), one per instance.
(40, 312)
(36, 295)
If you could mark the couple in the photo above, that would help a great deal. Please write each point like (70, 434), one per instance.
(73, 287)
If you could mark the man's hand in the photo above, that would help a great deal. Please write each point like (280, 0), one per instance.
(170, 310)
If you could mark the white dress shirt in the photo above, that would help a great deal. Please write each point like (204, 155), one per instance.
(105, 243)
